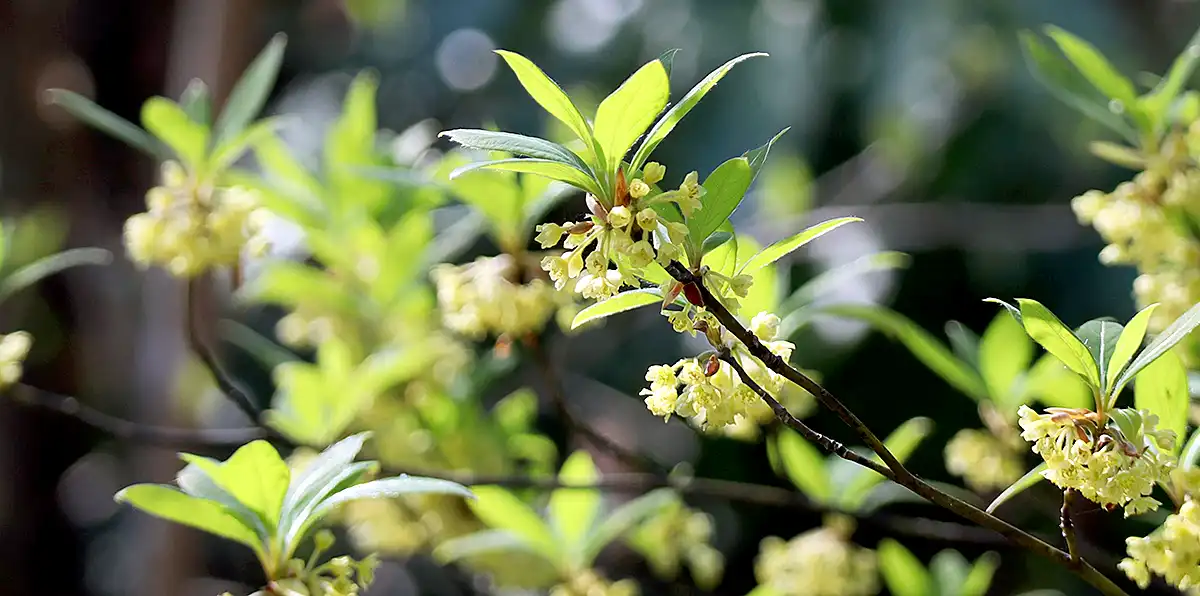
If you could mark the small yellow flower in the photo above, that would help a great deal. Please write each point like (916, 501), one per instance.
(647, 219)
(549, 234)
(14, 347)
(638, 188)
(653, 172)
(1171, 551)
(619, 216)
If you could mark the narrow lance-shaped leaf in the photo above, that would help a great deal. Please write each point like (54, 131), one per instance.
(782, 248)
(758, 156)
(617, 304)
(979, 579)
(1030, 478)
(1159, 100)
(46, 266)
(519, 145)
(1190, 454)
(668, 58)
(167, 121)
(478, 543)
(107, 122)
(724, 190)
(541, 167)
(1094, 67)
(390, 488)
(249, 94)
(1058, 339)
(196, 102)
(502, 510)
(1005, 352)
(625, 114)
(573, 511)
(624, 519)
(902, 442)
(804, 466)
(174, 505)
(902, 571)
(1162, 388)
(1065, 83)
(1172, 335)
(667, 123)
(1127, 345)
(549, 95)
(1101, 338)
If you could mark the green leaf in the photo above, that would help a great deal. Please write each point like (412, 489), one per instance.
(979, 579)
(519, 145)
(902, 571)
(1172, 335)
(1005, 352)
(390, 488)
(249, 94)
(1100, 337)
(174, 505)
(1190, 453)
(502, 510)
(548, 94)
(573, 511)
(1162, 388)
(196, 102)
(717, 239)
(314, 480)
(195, 482)
(1012, 310)
(965, 344)
(804, 466)
(1158, 101)
(724, 190)
(232, 150)
(1065, 83)
(1030, 478)
(782, 248)
(478, 543)
(350, 146)
(667, 123)
(625, 518)
(107, 122)
(1053, 384)
(668, 58)
(1131, 339)
(167, 121)
(902, 442)
(1057, 338)
(949, 570)
(617, 304)
(541, 167)
(826, 280)
(46, 266)
(758, 157)
(1094, 67)
(302, 519)
(625, 114)
(924, 346)
(255, 475)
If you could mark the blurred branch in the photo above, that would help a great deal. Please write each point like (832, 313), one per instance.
(135, 432)
(208, 357)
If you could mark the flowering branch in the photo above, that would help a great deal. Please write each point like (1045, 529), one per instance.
(900, 474)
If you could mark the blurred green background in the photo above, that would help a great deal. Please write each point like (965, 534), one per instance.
(917, 115)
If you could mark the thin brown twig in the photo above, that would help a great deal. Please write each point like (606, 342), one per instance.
(208, 357)
(902, 475)
(1067, 526)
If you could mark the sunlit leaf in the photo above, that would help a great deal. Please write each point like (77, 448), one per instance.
(625, 114)
(548, 94)
(902, 571)
(782, 248)
(1052, 383)
(573, 511)
(1101, 338)
(1172, 335)
(1190, 454)
(1058, 339)
(390, 488)
(500, 509)
(1094, 67)
(541, 167)
(1030, 478)
(1162, 388)
(174, 505)
(617, 304)
(1070, 87)
(518, 145)
(625, 518)
(1158, 101)
(724, 190)
(804, 466)
(1131, 339)
(979, 579)
(1005, 352)
(255, 475)
(167, 121)
(107, 122)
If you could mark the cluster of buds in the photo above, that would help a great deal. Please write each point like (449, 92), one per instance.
(677, 536)
(590, 583)
(1107, 464)
(1171, 551)
(481, 298)
(707, 390)
(191, 225)
(13, 349)
(983, 461)
(820, 562)
(1149, 222)
(622, 237)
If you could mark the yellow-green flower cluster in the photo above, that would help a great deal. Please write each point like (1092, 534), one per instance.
(1146, 223)
(481, 298)
(709, 392)
(191, 225)
(679, 536)
(621, 237)
(1171, 551)
(820, 562)
(13, 349)
(590, 583)
(982, 460)
(1101, 463)
(341, 576)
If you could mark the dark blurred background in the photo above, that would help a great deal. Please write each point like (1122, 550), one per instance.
(917, 115)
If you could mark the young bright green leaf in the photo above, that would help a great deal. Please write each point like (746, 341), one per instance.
(979, 579)
(573, 511)
(196, 102)
(107, 122)
(902, 571)
(351, 145)
(1070, 87)
(1158, 101)
(758, 156)
(668, 58)
(255, 475)
(1172, 335)
(174, 505)
(46, 266)
(667, 123)
(1005, 352)
(617, 304)
(1057, 338)
(226, 154)
(1030, 478)
(924, 346)
(390, 488)
(717, 239)
(1094, 67)
(1053, 384)
(1162, 388)
(309, 482)
(1100, 337)
(804, 466)
(902, 442)
(1127, 345)
(167, 121)
(782, 248)
(1190, 453)
(548, 94)
(724, 190)
(625, 114)
(195, 482)
(625, 518)
(249, 94)
(519, 145)
(541, 167)
(502, 510)
(1012, 310)
(296, 524)
(1118, 154)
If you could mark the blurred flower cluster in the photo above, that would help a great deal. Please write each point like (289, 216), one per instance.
(819, 562)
